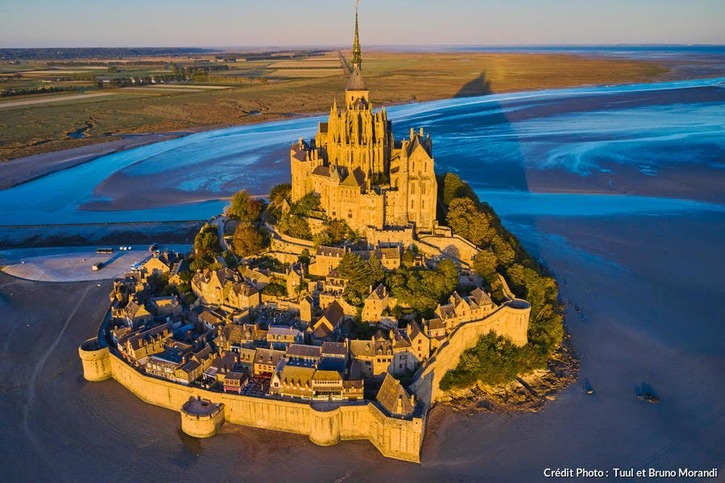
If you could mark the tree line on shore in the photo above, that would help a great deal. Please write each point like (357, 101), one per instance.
(494, 359)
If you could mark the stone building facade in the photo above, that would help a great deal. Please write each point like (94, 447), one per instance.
(360, 172)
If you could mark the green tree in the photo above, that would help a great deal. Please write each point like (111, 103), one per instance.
(304, 257)
(206, 242)
(296, 226)
(449, 273)
(279, 193)
(361, 275)
(485, 263)
(245, 208)
(307, 204)
(454, 187)
(247, 240)
(335, 232)
(503, 250)
(468, 221)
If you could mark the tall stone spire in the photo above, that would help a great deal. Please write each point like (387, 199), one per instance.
(356, 82)
(356, 53)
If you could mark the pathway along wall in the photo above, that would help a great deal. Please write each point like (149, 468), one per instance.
(324, 423)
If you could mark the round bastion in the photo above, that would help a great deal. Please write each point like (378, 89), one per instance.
(201, 418)
(96, 360)
(325, 430)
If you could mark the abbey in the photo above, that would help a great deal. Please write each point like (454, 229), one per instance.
(335, 341)
(361, 174)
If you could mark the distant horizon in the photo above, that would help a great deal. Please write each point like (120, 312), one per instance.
(84, 23)
(370, 47)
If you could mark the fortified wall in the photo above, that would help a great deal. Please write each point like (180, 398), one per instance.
(325, 424)
(451, 246)
(510, 319)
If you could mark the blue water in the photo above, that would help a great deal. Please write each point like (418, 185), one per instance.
(500, 143)
(626, 50)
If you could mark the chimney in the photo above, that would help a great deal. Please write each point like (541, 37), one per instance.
(421, 132)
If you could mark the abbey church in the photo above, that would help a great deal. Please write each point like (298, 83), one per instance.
(361, 174)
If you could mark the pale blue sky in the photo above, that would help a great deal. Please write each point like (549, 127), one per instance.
(71, 23)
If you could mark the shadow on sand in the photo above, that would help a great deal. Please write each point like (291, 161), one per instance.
(480, 86)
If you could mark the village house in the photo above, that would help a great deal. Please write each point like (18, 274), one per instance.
(306, 382)
(220, 366)
(334, 283)
(281, 337)
(266, 360)
(234, 382)
(334, 350)
(307, 305)
(389, 257)
(225, 287)
(478, 305)
(295, 278)
(326, 259)
(376, 303)
(394, 399)
(328, 323)
(166, 306)
(136, 346)
(134, 314)
(260, 278)
(160, 264)
(303, 355)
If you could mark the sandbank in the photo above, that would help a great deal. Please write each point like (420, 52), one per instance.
(21, 170)
(647, 289)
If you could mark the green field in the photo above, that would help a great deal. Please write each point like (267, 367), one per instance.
(262, 90)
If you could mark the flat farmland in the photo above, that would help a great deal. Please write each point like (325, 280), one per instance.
(279, 87)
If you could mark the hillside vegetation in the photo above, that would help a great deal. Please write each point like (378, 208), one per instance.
(494, 359)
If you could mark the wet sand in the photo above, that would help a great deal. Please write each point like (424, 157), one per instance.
(73, 264)
(21, 170)
(650, 290)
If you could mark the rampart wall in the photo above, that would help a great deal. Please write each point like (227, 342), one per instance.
(510, 321)
(453, 246)
(324, 423)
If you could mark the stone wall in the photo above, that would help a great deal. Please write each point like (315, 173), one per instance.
(454, 247)
(510, 321)
(323, 423)
(96, 361)
(391, 236)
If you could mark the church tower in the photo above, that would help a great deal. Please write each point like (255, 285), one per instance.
(357, 169)
(358, 137)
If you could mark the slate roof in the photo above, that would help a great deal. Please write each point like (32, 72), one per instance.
(393, 398)
(333, 349)
(304, 351)
(325, 251)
